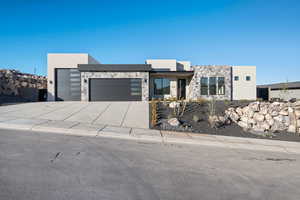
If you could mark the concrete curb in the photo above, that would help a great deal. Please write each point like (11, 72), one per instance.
(164, 137)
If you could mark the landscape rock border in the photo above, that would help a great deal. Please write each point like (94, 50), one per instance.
(264, 117)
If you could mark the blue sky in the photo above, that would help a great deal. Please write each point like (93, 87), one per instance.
(265, 33)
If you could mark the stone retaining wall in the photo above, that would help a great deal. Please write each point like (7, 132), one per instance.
(12, 81)
(267, 117)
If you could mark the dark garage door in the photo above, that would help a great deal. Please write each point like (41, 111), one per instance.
(67, 84)
(115, 89)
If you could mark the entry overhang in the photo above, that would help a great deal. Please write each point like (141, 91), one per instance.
(172, 73)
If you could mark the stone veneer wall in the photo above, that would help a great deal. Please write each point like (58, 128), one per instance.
(210, 71)
(86, 75)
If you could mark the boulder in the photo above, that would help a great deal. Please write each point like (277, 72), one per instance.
(258, 128)
(174, 104)
(292, 100)
(277, 126)
(234, 116)
(174, 122)
(284, 112)
(274, 113)
(263, 110)
(259, 117)
(24, 84)
(296, 104)
(279, 118)
(244, 119)
(216, 121)
(291, 129)
(239, 111)
(251, 121)
(265, 126)
(268, 117)
(297, 113)
(270, 121)
(254, 106)
(243, 124)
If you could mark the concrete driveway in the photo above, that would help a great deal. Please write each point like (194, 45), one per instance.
(123, 114)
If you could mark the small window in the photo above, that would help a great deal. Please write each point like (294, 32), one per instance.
(248, 78)
(204, 86)
(221, 85)
(236, 78)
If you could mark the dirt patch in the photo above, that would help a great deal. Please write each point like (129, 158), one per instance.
(195, 119)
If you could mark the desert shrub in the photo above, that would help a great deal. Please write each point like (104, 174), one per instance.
(196, 118)
(212, 107)
(226, 102)
(170, 116)
(244, 101)
(201, 101)
(171, 99)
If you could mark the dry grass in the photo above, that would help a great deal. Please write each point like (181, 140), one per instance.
(154, 115)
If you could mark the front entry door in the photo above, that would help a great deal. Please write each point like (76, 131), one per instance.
(181, 83)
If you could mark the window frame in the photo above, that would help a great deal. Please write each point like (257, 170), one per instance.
(165, 86)
(212, 85)
(218, 86)
(205, 87)
(208, 85)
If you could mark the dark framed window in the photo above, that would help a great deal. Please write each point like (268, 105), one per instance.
(161, 86)
(221, 86)
(248, 78)
(236, 78)
(204, 86)
(212, 85)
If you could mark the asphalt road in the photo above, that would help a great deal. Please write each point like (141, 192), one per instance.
(52, 166)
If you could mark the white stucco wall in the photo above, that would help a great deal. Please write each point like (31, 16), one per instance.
(163, 64)
(59, 60)
(186, 65)
(243, 89)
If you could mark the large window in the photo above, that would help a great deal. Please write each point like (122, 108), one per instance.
(221, 86)
(212, 86)
(161, 86)
(204, 86)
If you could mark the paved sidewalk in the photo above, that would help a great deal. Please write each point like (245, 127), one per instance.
(165, 137)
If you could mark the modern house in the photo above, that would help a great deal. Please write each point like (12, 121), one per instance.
(284, 91)
(79, 77)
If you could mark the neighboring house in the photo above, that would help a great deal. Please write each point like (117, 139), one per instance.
(284, 91)
(75, 77)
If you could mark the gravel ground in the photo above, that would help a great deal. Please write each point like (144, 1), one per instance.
(200, 111)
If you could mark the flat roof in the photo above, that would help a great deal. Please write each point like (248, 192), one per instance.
(286, 85)
(114, 67)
